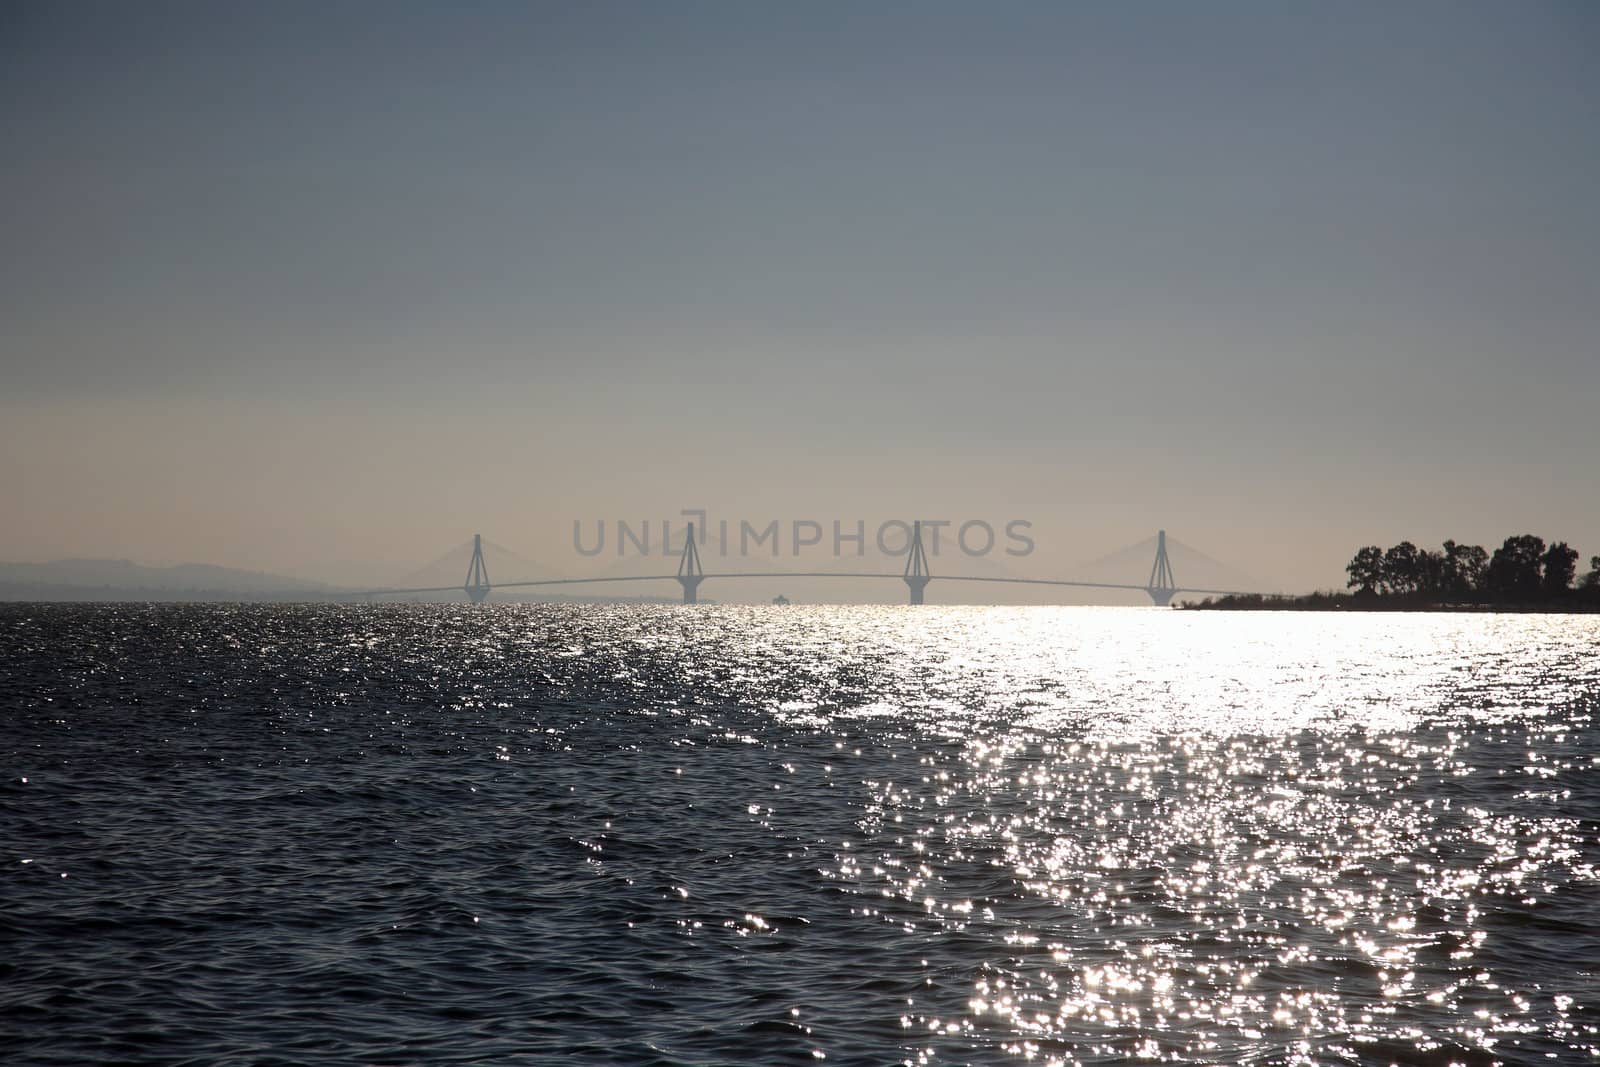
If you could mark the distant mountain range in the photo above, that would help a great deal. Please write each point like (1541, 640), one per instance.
(121, 579)
(116, 579)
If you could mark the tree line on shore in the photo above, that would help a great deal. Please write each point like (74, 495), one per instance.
(1522, 571)
(1523, 574)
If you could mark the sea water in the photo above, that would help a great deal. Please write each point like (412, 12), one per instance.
(730, 835)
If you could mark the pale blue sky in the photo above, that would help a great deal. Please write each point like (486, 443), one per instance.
(1286, 277)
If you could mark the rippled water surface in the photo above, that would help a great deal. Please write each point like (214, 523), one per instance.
(790, 835)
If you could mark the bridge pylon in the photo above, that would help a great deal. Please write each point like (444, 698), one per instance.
(1162, 584)
(477, 584)
(917, 574)
(690, 573)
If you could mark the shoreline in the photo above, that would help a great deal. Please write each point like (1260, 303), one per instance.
(1349, 602)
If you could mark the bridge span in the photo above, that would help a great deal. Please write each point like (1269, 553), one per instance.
(1161, 586)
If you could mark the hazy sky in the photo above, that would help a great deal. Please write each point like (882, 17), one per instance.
(308, 286)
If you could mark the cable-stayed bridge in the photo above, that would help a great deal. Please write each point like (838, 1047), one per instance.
(1161, 585)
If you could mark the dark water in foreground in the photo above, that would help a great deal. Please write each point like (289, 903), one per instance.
(843, 835)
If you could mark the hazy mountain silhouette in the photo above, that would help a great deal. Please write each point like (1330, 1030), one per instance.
(90, 578)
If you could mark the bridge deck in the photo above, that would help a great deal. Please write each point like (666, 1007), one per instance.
(805, 574)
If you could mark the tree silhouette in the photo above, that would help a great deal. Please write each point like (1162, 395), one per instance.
(1366, 570)
(1400, 568)
(1560, 566)
(1432, 573)
(1515, 570)
(1464, 566)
